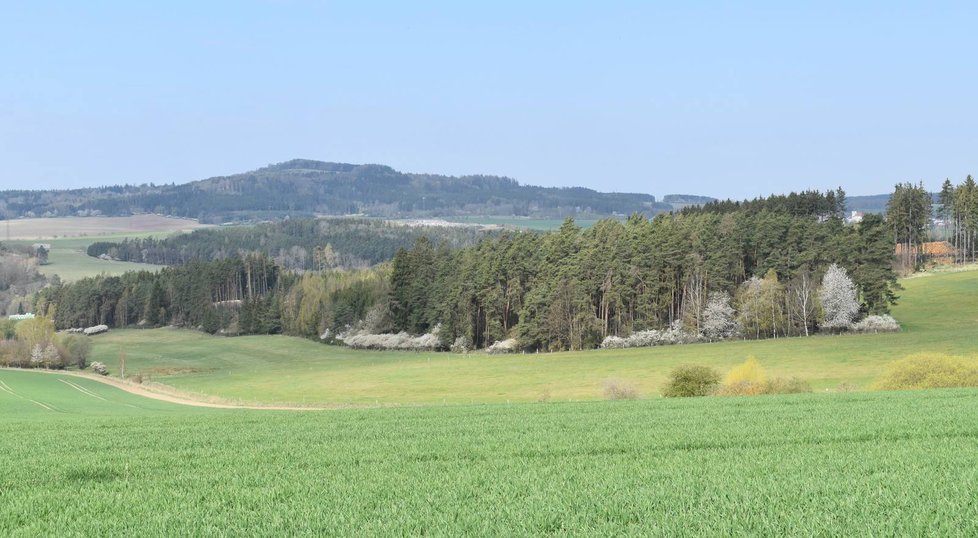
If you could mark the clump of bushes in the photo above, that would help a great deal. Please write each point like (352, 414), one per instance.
(750, 379)
(399, 341)
(615, 389)
(930, 371)
(675, 334)
(503, 346)
(462, 344)
(691, 380)
(876, 324)
(99, 368)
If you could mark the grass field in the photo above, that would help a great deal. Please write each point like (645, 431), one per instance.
(70, 236)
(68, 258)
(903, 463)
(939, 314)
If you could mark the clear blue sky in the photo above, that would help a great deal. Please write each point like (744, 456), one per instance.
(718, 98)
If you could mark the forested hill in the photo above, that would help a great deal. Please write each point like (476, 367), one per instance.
(305, 188)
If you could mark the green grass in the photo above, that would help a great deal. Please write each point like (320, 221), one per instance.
(29, 395)
(939, 314)
(889, 464)
(68, 258)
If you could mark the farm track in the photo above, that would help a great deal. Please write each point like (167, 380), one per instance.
(157, 392)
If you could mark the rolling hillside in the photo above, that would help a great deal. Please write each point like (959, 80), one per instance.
(937, 313)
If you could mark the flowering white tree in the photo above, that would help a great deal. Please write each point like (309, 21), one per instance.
(718, 320)
(838, 297)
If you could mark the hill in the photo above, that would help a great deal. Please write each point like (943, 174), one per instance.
(304, 187)
(936, 313)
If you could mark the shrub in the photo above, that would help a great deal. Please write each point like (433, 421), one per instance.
(76, 349)
(690, 380)
(930, 371)
(876, 324)
(675, 334)
(775, 385)
(618, 390)
(749, 379)
(463, 344)
(790, 385)
(99, 368)
(741, 388)
(401, 341)
(502, 346)
(749, 371)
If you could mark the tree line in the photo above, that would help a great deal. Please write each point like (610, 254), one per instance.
(294, 244)
(568, 289)
(958, 212)
(573, 288)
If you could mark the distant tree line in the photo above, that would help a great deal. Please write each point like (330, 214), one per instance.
(248, 294)
(295, 244)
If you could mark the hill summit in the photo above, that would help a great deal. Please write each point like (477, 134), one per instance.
(304, 187)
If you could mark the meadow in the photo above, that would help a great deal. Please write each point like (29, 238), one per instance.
(885, 463)
(69, 237)
(938, 313)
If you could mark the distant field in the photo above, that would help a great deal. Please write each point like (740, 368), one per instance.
(939, 313)
(524, 223)
(69, 260)
(89, 226)
(881, 464)
(70, 236)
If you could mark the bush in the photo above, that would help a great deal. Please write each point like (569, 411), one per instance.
(675, 334)
(618, 390)
(749, 371)
(400, 341)
(463, 344)
(99, 368)
(502, 346)
(876, 324)
(689, 380)
(791, 385)
(776, 385)
(930, 371)
(76, 349)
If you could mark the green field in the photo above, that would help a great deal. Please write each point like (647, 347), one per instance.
(70, 262)
(899, 463)
(939, 314)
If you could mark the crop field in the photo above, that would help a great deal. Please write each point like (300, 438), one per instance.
(53, 228)
(898, 463)
(939, 313)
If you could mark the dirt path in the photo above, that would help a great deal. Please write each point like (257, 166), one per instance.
(169, 394)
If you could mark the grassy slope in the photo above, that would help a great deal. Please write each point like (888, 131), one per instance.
(847, 464)
(938, 313)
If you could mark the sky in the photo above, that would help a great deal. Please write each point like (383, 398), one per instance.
(715, 98)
